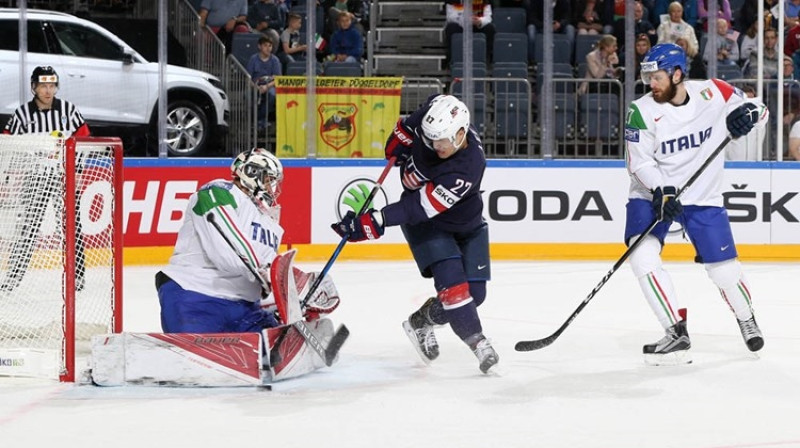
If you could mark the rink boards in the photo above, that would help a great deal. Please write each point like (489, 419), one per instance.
(536, 209)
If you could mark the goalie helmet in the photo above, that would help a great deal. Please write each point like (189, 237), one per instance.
(446, 116)
(43, 74)
(260, 173)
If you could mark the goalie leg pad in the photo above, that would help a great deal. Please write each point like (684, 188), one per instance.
(733, 287)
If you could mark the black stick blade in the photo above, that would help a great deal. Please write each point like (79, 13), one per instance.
(528, 346)
(336, 343)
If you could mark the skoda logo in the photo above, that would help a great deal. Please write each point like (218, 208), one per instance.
(354, 194)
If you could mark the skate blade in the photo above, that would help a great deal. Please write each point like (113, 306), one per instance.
(412, 336)
(676, 358)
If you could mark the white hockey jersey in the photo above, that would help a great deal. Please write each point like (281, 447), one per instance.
(204, 262)
(667, 144)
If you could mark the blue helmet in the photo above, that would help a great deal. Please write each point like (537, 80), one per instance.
(665, 57)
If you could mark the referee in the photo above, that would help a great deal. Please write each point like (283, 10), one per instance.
(45, 114)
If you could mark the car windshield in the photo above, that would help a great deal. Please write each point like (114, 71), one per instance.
(77, 40)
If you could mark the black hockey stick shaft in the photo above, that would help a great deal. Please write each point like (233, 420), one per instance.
(526, 346)
(300, 325)
(335, 255)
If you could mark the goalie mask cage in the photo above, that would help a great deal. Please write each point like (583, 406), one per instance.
(60, 250)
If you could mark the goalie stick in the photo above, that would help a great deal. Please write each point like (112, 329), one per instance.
(364, 208)
(526, 346)
(328, 354)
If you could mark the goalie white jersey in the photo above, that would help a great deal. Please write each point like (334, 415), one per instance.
(666, 144)
(217, 271)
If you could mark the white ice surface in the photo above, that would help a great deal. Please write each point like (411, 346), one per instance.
(589, 389)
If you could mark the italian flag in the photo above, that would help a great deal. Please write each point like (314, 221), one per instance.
(319, 42)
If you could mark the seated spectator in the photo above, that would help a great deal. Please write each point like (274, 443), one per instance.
(660, 11)
(791, 11)
(727, 51)
(347, 44)
(697, 70)
(771, 57)
(263, 67)
(291, 48)
(481, 22)
(791, 46)
(601, 63)
(224, 17)
(723, 12)
(674, 28)
(642, 47)
(749, 42)
(266, 17)
(641, 26)
(332, 9)
(562, 15)
(588, 17)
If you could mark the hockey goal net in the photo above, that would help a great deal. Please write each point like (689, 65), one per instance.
(60, 250)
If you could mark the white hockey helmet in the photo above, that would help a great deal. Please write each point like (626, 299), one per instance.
(260, 173)
(446, 116)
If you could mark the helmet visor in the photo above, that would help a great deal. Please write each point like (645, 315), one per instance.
(648, 68)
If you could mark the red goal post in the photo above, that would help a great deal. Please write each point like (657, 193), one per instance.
(60, 250)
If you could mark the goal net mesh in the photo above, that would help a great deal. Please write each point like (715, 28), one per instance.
(34, 250)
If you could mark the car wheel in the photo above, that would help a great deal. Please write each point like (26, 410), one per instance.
(187, 129)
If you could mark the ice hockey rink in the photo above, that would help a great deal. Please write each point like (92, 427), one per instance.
(589, 389)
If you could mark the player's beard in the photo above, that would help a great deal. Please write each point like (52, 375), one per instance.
(666, 95)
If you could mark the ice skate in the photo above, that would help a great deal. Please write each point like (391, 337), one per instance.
(484, 351)
(672, 349)
(751, 334)
(421, 335)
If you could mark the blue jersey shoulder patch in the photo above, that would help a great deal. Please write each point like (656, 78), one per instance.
(632, 135)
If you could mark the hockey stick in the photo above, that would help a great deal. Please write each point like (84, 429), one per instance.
(342, 242)
(526, 346)
(337, 340)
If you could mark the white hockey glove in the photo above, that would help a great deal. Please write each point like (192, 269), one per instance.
(323, 301)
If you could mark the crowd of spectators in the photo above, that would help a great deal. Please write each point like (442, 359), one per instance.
(281, 22)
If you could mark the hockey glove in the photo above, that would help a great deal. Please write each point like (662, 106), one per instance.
(399, 144)
(665, 204)
(368, 226)
(742, 119)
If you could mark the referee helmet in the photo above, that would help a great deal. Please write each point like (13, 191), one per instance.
(43, 74)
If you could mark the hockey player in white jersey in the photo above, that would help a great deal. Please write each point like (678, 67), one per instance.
(669, 133)
(207, 288)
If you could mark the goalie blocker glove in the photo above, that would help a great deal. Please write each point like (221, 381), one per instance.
(368, 226)
(742, 119)
(665, 204)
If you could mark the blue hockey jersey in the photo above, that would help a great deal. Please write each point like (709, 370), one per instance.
(445, 191)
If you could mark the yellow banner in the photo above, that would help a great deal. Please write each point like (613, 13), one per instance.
(353, 117)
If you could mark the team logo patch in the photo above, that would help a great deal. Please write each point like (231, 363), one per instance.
(632, 135)
(706, 94)
(338, 126)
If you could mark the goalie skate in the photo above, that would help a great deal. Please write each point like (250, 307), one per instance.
(672, 349)
(422, 337)
(751, 334)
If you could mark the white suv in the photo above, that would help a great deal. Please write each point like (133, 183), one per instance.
(114, 87)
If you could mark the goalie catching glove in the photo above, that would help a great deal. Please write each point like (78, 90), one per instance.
(368, 226)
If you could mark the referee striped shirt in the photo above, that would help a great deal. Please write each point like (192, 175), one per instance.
(63, 116)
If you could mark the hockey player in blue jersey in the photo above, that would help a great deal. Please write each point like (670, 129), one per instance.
(441, 164)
